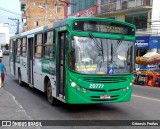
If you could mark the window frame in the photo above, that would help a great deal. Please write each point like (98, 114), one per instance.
(19, 53)
(45, 37)
(140, 20)
(24, 53)
(39, 45)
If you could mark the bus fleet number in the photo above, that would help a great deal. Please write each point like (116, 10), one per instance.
(96, 86)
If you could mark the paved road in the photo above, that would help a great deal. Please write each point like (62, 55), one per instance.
(145, 105)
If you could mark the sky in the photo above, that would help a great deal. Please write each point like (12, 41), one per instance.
(11, 6)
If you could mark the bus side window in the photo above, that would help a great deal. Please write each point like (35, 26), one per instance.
(38, 46)
(49, 44)
(19, 47)
(45, 38)
(24, 44)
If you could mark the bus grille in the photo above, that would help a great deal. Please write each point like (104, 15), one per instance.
(105, 79)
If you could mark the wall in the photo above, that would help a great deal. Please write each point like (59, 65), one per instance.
(42, 12)
(156, 15)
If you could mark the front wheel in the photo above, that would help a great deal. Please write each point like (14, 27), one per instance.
(51, 99)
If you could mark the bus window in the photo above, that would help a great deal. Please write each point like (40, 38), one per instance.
(38, 46)
(24, 44)
(19, 47)
(49, 44)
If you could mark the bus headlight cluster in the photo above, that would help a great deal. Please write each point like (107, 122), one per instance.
(73, 84)
(83, 89)
(127, 88)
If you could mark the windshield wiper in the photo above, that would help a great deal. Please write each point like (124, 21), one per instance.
(95, 42)
(116, 47)
(98, 45)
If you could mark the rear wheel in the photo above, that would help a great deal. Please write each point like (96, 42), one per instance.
(51, 99)
(20, 82)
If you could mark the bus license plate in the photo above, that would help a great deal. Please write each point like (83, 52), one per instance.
(105, 97)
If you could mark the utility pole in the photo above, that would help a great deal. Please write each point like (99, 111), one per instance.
(17, 32)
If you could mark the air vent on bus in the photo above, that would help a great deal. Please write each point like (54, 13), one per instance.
(114, 89)
(105, 79)
(96, 90)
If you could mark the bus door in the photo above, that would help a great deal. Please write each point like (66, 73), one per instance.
(14, 52)
(30, 59)
(60, 64)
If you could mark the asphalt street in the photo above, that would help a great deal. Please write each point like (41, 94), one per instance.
(145, 105)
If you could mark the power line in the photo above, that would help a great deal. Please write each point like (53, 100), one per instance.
(9, 11)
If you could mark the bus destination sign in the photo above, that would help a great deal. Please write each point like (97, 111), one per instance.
(103, 27)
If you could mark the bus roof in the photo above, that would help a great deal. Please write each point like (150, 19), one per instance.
(30, 32)
(68, 21)
(34, 30)
(15, 36)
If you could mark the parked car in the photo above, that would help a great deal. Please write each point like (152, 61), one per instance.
(1, 54)
(6, 52)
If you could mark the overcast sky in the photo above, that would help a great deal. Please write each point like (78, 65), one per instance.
(9, 9)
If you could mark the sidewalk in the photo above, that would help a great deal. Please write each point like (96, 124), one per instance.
(10, 109)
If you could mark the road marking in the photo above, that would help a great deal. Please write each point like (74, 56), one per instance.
(146, 98)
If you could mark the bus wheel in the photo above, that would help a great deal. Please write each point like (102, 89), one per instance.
(51, 99)
(20, 82)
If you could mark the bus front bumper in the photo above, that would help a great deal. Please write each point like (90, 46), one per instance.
(75, 96)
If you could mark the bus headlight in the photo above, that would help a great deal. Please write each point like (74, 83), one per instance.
(78, 88)
(73, 84)
(84, 90)
(127, 88)
(124, 89)
(131, 84)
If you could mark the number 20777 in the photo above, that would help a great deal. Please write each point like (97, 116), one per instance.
(96, 86)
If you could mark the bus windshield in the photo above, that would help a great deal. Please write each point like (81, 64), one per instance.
(90, 55)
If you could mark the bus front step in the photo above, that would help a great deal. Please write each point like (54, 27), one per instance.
(30, 85)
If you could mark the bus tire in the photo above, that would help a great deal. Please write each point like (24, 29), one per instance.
(20, 82)
(51, 99)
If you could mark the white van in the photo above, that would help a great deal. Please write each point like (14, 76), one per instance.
(1, 54)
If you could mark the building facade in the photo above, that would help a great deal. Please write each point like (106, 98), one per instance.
(145, 14)
(4, 35)
(142, 13)
(36, 13)
(80, 8)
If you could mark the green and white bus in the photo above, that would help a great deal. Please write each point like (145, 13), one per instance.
(77, 61)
